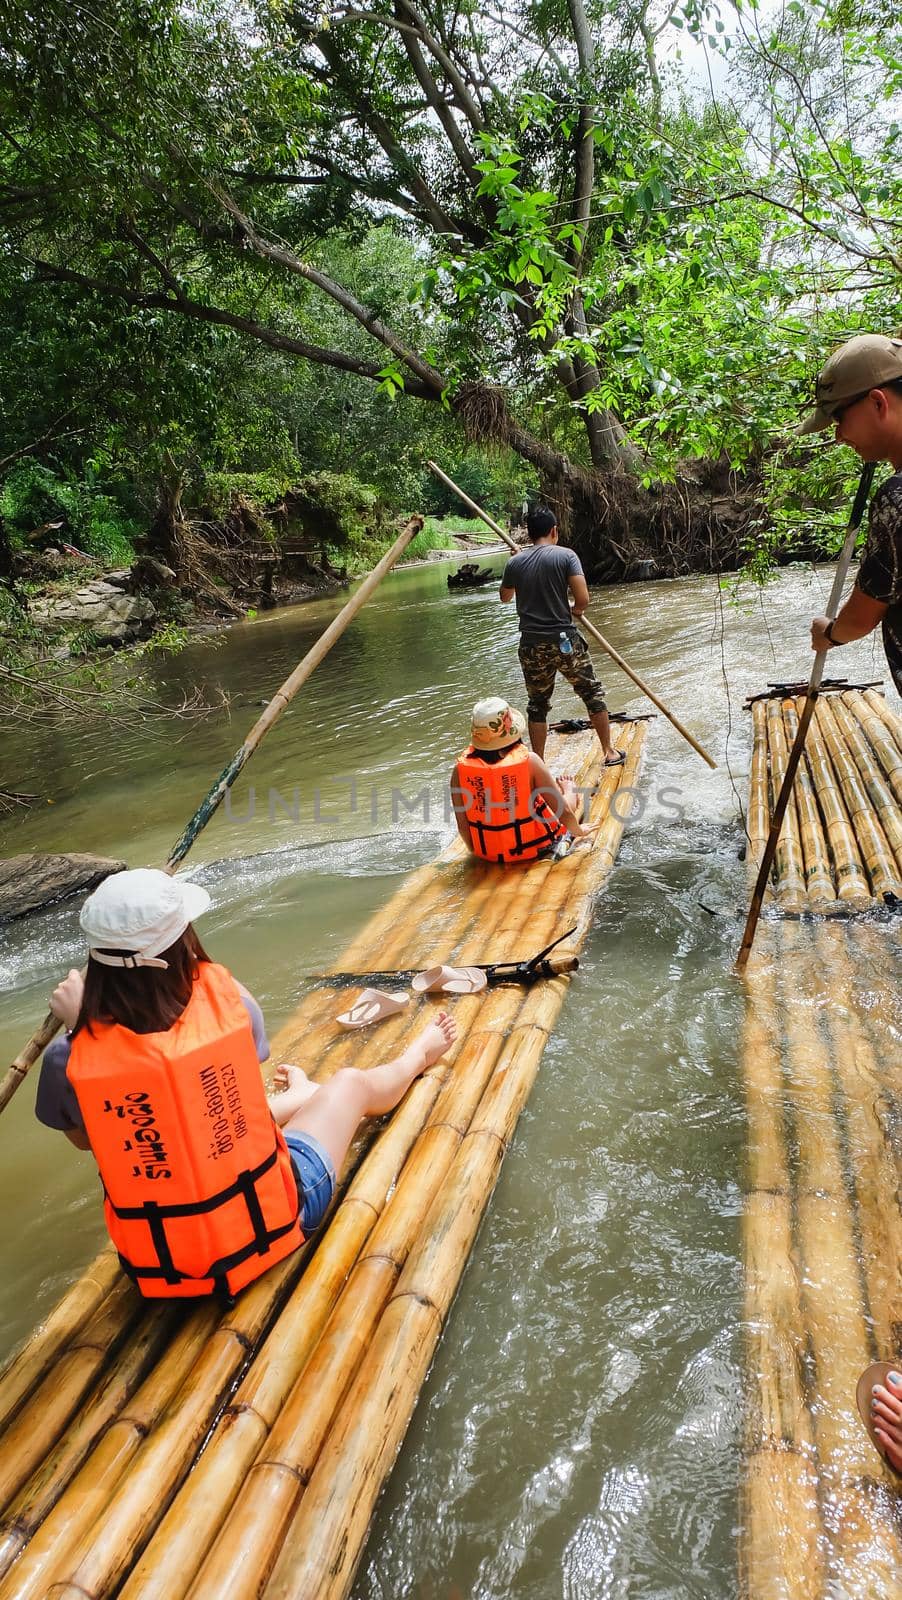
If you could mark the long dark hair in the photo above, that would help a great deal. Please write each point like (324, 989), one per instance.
(145, 999)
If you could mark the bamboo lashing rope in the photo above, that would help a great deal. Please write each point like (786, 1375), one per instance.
(583, 621)
(795, 755)
(214, 797)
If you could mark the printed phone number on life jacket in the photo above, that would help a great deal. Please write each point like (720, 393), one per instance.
(222, 1097)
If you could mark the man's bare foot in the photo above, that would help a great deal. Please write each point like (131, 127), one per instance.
(886, 1412)
(292, 1089)
(434, 1041)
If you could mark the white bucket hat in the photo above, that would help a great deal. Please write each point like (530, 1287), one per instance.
(141, 912)
(495, 724)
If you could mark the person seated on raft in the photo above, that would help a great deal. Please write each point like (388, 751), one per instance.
(468, 569)
(508, 806)
(159, 1077)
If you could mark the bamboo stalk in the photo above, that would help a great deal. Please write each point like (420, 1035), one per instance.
(779, 1485)
(584, 623)
(877, 702)
(758, 806)
(849, 873)
(872, 840)
(101, 1474)
(25, 1369)
(819, 882)
(879, 792)
(872, 1170)
(887, 749)
(59, 1466)
(43, 1418)
(115, 1529)
(788, 861)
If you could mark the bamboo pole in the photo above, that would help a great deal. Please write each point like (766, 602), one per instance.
(25, 1369)
(214, 797)
(43, 1418)
(779, 1483)
(118, 1383)
(805, 716)
(758, 805)
(96, 1482)
(788, 858)
(583, 622)
(869, 1133)
(820, 886)
(872, 841)
(851, 879)
(887, 749)
(879, 792)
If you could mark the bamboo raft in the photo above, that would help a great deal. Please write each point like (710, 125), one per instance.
(822, 1226)
(841, 842)
(157, 1452)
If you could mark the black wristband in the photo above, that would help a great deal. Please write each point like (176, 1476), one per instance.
(828, 633)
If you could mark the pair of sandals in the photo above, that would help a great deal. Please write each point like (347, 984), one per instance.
(374, 1004)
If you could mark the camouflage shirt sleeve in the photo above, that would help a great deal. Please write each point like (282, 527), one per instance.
(880, 573)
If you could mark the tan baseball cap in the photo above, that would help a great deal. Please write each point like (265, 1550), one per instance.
(495, 724)
(857, 367)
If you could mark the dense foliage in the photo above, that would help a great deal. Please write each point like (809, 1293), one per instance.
(258, 238)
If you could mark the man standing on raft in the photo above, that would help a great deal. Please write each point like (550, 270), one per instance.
(859, 393)
(544, 578)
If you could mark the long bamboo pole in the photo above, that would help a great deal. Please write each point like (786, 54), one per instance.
(583, 622)
(214, 797)
(26, 1369)
(795, 755)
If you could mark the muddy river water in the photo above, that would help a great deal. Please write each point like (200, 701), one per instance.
(578, 1432)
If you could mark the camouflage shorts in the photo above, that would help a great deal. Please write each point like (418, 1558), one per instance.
(542, 662)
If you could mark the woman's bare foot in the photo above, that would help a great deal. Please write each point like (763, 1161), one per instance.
(432, 1043)
(292, 1089)
(886, 1412)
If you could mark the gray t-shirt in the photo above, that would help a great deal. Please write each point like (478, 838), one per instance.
(55, 1103)
(540, 576)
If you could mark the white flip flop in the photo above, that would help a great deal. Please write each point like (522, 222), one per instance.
(372, 1005)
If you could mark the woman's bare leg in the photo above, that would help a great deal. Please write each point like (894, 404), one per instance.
(292, 1090)
(334, 1113)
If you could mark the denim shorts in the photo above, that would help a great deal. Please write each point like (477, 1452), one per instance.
(316, 1177)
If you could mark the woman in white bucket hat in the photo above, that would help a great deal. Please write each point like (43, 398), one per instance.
(158, 1076)
(508, 805)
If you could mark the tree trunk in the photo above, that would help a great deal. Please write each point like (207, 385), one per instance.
(619, 529)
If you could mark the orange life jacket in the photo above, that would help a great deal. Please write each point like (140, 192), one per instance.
(507, 821)
(200, 1193)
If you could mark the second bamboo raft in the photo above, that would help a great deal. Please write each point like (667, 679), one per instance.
(158, 1452)
(840, 846)
(822, 1225)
